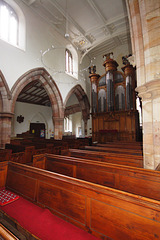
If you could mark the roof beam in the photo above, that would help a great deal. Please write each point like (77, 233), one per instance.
(69, 18)
(99, 14)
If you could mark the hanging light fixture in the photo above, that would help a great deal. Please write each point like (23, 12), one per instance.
(67, 33)
(54, 71)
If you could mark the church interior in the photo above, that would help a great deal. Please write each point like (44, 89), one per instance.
(80, 119)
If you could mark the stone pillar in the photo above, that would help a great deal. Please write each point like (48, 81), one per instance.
(150, 94)
(58, 127)
(145, 35)
(5, 128)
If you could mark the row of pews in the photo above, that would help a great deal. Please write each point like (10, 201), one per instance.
(22, 150)
(103, 191)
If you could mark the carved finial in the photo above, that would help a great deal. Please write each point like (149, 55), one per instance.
(92, 69)
(131, 60)
(125, 59)
(108, 56)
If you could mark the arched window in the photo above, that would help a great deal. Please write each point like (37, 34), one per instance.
(12, 24)
(8, 23)
(69, 62)
(68, 124)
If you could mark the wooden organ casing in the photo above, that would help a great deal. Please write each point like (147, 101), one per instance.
(113, 100)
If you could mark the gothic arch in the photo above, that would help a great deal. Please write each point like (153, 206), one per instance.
(83, 100)
(52, 90)
(5, 94)
(5, 114)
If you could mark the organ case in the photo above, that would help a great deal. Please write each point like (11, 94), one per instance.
(114, 114)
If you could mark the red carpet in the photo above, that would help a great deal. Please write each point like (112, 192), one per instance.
(42, 223)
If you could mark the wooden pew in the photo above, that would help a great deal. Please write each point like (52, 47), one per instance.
(27, 155)
(120, 145)
(105, 212)
(109, 157)
(5, 154)
(115, 150)
(129, 179)
(3, 173)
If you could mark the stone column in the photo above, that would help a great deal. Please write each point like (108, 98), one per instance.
(150, 94)
(145, 35)
(5, 128)
(58, 127)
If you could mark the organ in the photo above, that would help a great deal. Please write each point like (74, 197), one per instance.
(113, 100)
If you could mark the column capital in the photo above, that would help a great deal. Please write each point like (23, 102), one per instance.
(6, 114)
(57, 118)
(150, 90)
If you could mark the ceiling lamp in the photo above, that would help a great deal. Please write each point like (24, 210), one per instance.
(66, 33)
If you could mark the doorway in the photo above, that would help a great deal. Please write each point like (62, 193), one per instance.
(37, 129)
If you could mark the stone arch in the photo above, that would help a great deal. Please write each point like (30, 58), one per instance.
(83, 103)
(5, 114)
(52, 90)
(82, 98)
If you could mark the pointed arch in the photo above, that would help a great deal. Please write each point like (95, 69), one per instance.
(5, 114)
(5, 94)
(52, 90)
(82, 98)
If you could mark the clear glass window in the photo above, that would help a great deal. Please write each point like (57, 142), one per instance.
(8, 24)
(69, 62)
(68, 124)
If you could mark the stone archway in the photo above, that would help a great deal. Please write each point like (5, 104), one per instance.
(83, 103)
(52, 90)
(5, 114)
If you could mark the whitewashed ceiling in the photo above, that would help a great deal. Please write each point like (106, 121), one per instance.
(90, 25)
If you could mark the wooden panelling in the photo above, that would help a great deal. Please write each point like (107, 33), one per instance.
(120, 224)
(115, 150)
(134, 180)
(26, 185)
(3, 173)
(59, 167)
(63, 201)
(89, 173)
(108, 157)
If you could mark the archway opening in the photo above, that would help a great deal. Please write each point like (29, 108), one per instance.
(77, 109)
(33, 112)
(73, 118)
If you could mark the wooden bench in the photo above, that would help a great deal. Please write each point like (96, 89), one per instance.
(129, 179)
(105, 212)
(115, 150)
(27, 155)
(109, 157)
(5, 154)
(120, 145)
(36, 222)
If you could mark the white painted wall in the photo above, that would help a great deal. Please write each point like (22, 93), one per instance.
(39, 37)
(76, 123)
(32, 114)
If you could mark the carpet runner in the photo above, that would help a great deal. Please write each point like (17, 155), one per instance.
(42, 223)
